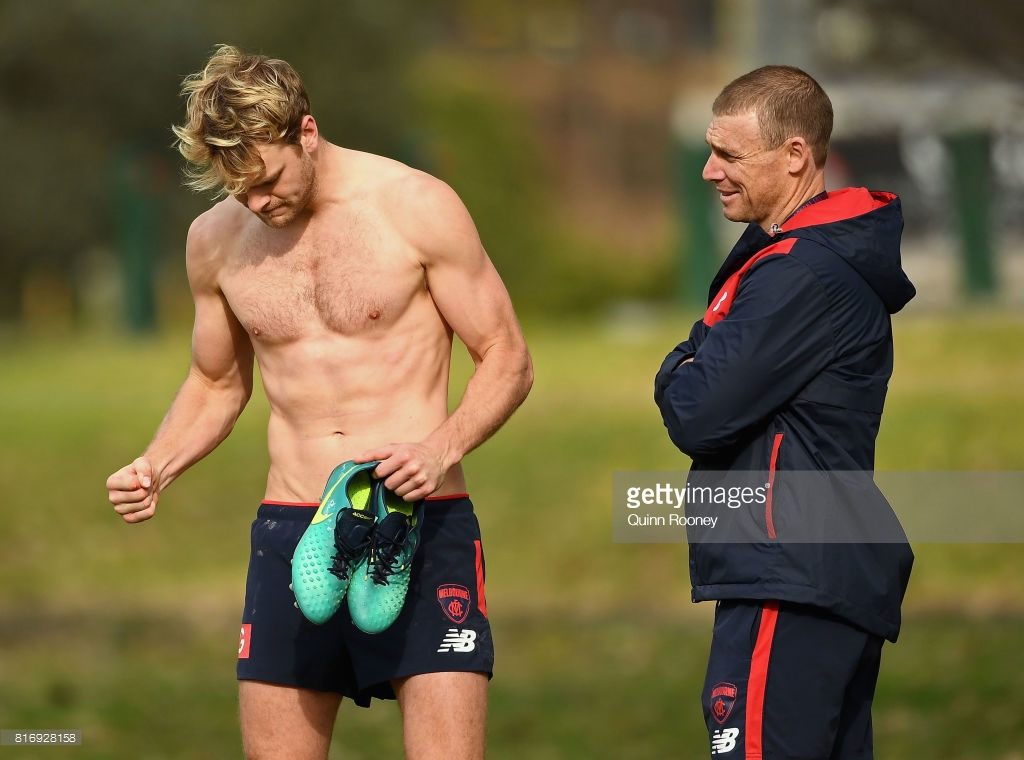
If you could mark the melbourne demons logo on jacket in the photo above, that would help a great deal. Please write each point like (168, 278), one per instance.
(455, 601)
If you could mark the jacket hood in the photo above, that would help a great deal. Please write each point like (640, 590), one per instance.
(861, 226)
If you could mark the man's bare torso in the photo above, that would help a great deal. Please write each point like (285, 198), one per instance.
(351, 348)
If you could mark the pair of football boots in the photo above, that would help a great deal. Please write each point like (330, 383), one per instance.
(359, 544)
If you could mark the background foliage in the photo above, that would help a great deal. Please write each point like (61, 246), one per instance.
(88, 96)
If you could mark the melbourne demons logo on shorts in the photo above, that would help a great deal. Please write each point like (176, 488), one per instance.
(723, 699)
(455, 601)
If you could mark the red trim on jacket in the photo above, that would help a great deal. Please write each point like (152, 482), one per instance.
(842, 204)
(772, 467)
(727, 294)
(847, 203)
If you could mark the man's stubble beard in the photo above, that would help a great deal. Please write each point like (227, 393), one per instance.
(298, 208)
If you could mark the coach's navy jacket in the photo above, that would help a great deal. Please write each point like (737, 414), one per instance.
(790, 368)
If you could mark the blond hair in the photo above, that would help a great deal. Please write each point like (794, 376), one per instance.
(235, 104)
(788, 103)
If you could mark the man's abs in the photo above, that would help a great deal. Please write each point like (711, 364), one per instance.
(334, 401)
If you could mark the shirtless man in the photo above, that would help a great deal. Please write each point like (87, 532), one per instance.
(345, 276)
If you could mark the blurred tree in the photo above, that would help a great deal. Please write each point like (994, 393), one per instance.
(923, 33)
(473, 137)
(88, 94)
(74, 86)
(81, 87)
(985, 31)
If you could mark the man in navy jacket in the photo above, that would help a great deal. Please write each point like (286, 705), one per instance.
(785, 376)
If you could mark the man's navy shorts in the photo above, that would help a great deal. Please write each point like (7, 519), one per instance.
(443, 626)
(789, 681)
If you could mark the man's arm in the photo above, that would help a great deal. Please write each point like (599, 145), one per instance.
(776, 338)
(217, 388)
(679, 356)
(474, 302)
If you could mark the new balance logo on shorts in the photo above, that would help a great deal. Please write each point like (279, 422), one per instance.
(724, 740)
(458, 641)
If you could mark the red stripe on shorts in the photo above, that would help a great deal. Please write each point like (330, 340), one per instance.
(759, 679)
(481, 598)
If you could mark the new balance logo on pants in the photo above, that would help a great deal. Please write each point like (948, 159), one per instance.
(724, 740)
(458, 641)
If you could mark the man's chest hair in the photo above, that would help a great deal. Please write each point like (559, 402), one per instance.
(343, 283)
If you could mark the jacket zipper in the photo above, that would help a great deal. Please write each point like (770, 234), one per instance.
(772, 465)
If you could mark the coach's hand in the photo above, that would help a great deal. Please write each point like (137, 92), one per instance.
(133, 491)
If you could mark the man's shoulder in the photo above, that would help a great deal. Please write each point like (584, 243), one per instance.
(414, 197)
(392, 181)
(212, 231)
(222, 218)
(419, 206)
(400, 183)
(225, 220)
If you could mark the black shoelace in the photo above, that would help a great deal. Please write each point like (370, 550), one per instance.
(388, 542)
(352, 535)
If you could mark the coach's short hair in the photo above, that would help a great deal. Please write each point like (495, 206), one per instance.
(235, 104)
(788, 103)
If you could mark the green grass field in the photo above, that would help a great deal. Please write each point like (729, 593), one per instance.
(128, 632)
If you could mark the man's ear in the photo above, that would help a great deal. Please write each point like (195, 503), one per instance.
(309, 134)
(799, 155)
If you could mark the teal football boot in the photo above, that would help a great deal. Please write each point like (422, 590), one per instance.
(336, 540)
(381, 580)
